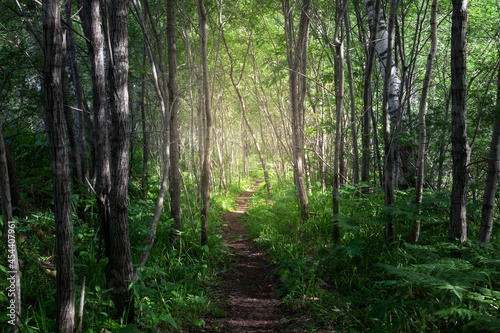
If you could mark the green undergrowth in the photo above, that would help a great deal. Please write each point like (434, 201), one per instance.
(361, 284)
(171, 293)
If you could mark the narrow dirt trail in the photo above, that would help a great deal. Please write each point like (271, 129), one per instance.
(251, 305)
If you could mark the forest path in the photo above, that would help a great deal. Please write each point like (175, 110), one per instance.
(247, 287)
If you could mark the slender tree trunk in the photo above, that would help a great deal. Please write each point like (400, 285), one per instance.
(460, 146)
(442, 146)
(119, 271)
(339, 106)
(386, 112)
(76, 165)
(491, 177)
(207, 107)
(15, 193)
(173, 96)
(145, 131)
(367, 99)
(14, 275)
(297, 58)
(354, 136)
(54, 112)
(102, 173)
(244, 147)
(421, 113)
(79, 96)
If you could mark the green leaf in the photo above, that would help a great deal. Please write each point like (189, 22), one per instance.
(168, 318)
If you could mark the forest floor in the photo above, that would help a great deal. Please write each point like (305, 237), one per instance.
(247, 288)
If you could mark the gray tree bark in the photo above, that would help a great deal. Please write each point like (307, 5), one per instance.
(173, 98)
(207, 108)
(492, 177)
(297, 58)
(354, 136)
(54, 113)
(387, 46)
(79, 96)
(119, 270)
(102, 173)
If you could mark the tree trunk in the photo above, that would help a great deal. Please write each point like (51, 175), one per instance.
(14, 275)
(95, 45)
(54, 112)
(339, 106)
(69, 117)
(491, 177)
(173, 97)
(297, 58)
(386, 45)
(421, 114)
(207, 107)
(460, 146)
(119, 271)
(79, 96)
(367, 100)
(354, 136)
(381, 44)
(145, 133)
(15, 193)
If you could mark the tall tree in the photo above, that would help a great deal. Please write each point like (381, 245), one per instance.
(388, 69)
(354, 136)
(367, 92)
(119, 269)
(79, 96)
(297, 59)
(459, 143)
(421, 115)
(207, 108)
(492, 176)
(102, 173)
(339, 107)
(173, 101)
(61, 183)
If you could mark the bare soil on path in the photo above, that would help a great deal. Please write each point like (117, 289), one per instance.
(247, 288)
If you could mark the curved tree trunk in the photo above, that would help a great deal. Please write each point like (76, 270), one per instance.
(236, 86)
(421, 113)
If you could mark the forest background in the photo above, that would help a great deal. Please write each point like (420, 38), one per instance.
(129, 127)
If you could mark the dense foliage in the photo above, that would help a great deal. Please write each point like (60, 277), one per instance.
(340, 267)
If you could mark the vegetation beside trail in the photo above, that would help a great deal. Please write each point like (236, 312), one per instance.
(362, 284)
(173, 290)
